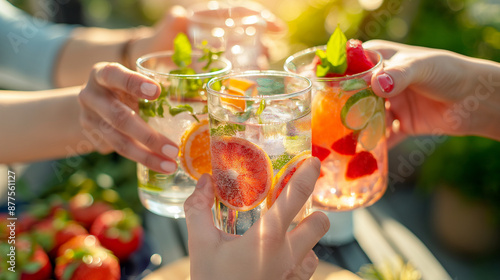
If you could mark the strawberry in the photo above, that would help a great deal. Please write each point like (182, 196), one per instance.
(357, 61)
(362, 164)
(85, 210)
(78, 242)
(346, 145)
(87, 262)
(52, 232)
(320, 152)
(30, 263)
(120, 231)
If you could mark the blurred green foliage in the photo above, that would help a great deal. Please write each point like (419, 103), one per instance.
(469, 164)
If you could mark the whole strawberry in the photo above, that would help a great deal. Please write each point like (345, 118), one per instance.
(357, 61)
(84, 209)
(83, 263)
(120, 231)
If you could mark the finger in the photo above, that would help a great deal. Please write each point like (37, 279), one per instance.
(386, 48)
(116, 76)
(308, 233)
(306, 268)
(198, 211)
(394, 79)
(126, 120)
(101, 131)
(292, 198)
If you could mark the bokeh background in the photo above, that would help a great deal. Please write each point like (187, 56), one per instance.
(468, 165)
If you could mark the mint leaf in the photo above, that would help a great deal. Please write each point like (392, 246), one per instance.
(336, 52)
(182, 51)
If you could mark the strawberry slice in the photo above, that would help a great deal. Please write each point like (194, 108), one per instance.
(362, 164)
(346, 145)
(357, 61)
(320, 152)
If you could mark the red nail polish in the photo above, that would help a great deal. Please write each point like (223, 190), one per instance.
(386, 83)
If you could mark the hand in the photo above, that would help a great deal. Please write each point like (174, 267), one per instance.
(428, 90)
(162, 36)
(266, 250)
(109, 103)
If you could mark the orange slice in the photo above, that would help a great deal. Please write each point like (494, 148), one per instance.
(284, 175)
(194, 152)
(237, 87)
(242, 172)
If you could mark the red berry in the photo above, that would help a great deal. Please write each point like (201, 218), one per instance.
(346, 145)
(362, 164)
(320, 152)
(357, 61)
(119, 231)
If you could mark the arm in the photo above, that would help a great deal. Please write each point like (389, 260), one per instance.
(88, 46)
(40, 125)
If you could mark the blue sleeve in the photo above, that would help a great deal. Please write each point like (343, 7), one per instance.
(29, 48)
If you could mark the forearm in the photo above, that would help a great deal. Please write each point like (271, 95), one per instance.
(483, 98)
(41, 125)
(88, 46)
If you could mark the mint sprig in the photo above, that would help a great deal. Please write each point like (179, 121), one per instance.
(334, 60)
(188, 88)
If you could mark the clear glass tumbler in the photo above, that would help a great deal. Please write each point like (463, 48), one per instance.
(233, 28)
(260, 133)
(348, 135)
(180, 113)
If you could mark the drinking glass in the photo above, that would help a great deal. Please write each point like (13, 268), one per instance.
(260, 133)
(180, 113)
(235, 29)
(348, 134)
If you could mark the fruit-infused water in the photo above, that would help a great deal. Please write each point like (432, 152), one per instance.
(260, 133)
(179, 113)
(348, 135)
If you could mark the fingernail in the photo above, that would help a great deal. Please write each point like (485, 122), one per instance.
(316, 162)
(149, 89)
(202, 182)
(386, 83)
(168, 166)
(170, 151)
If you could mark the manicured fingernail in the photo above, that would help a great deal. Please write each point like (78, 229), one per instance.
(202, 182)
(170, 151)
(149, 89)
(386, 83)
(168, 166)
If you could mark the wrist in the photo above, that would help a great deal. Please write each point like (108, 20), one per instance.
(136, 46)
(484, 90)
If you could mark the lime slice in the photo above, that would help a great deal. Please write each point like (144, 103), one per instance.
(380, 105)
(353, 84)
(371, 134)
(358, 109)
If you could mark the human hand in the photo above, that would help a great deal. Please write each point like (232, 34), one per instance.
(266, 250)
(161, 36)
(109, 106)
(427, 89)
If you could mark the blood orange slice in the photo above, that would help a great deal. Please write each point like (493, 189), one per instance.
(194, 152)
(242, 172)
(284, 175)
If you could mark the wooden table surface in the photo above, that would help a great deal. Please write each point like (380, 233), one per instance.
(179, 270)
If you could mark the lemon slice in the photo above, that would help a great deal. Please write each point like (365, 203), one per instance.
(358, 109)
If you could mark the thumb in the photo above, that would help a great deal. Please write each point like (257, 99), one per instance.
(393, 79)
(198, 208)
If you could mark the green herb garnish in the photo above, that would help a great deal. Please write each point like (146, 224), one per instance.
(334, 60)
(227, 130)
(185, 88)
